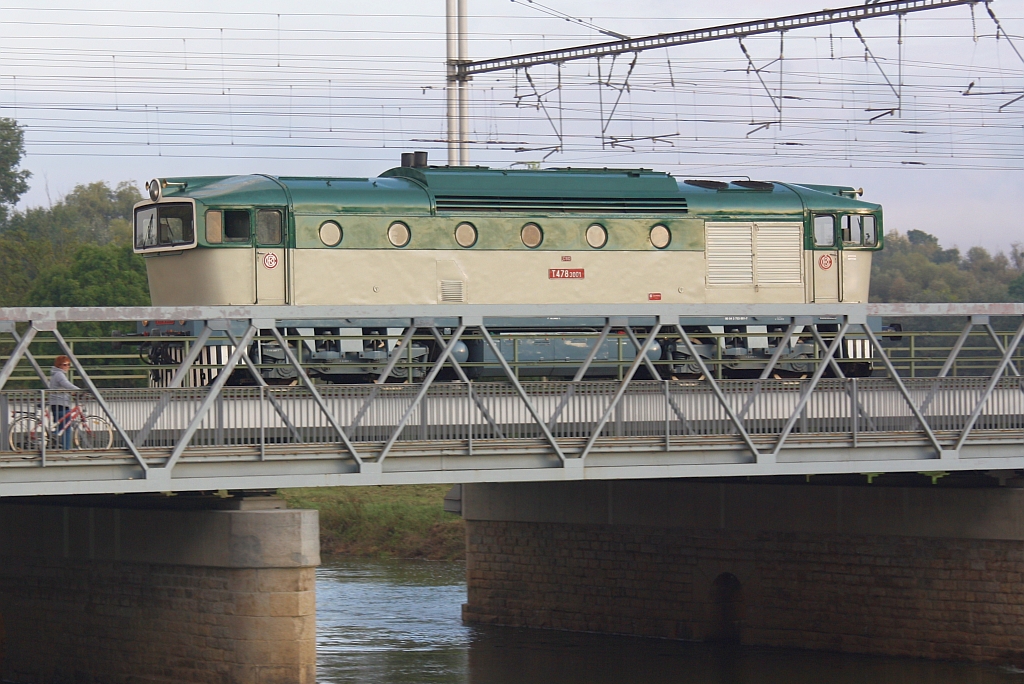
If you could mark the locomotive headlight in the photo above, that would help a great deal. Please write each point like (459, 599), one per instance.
(155, 189)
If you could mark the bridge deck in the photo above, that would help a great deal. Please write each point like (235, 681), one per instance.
(219, 437)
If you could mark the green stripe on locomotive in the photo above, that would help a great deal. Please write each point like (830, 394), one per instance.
(564, 202)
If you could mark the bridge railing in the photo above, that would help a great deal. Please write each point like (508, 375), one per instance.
(815, 416)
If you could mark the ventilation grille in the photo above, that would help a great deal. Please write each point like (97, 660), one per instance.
(779, 252)
(453, 291)
(626, 205)
(730, 254)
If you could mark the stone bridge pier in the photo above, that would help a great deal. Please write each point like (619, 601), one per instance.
(154, 590)
(933, 572)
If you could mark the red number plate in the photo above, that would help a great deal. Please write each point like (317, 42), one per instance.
(565, 273)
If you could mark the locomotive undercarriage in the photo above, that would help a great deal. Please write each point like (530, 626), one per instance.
(354, 355)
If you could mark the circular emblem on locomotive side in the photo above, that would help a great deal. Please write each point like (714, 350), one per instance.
(825, 261)
(270, 260)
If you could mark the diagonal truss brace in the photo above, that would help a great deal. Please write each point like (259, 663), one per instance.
(581, 372)
(906, 394)
(633, 367)
(255, 373)
(20, 350)
(806, 394)
(211, 397)
(997, 375)
(522, 394)
(469, 386)
(427, 382)
(393, 359)
(710, 379)
(179, 377)
(99, 399)
(316, 395)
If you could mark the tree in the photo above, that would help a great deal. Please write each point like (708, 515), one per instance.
(99, 275)
(39, 240)
(915, 268)
(13, 181)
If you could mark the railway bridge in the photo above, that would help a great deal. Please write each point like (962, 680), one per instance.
(824, 476)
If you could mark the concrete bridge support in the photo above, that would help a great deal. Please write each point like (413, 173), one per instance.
(924, 572)
(119, 592)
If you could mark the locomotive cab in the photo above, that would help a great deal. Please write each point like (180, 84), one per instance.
(224, 242)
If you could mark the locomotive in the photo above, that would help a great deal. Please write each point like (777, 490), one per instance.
(430, 235)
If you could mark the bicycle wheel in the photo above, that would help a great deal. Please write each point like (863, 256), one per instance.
(24, 436)
(93, 432)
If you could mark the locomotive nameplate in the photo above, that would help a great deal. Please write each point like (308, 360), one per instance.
(574, 273)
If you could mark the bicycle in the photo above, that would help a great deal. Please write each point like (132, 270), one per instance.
(88, 432)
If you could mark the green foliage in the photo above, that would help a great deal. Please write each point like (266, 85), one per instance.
(1016, 289)
(392, 522)
(98, 275)
(915, 268)
(13, 181)
(75, 253)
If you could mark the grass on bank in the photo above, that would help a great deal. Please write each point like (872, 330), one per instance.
(406, 521)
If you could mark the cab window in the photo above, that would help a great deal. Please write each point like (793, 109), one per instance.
(870, 232)
(824, 230)
(858, 230)
(164, 226)
(268, 227)
(214, 227)
(850, 228)
(236, 226)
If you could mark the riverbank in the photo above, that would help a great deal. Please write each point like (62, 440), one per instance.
(401, 521)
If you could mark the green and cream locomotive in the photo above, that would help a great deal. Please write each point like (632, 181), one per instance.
(426, 235)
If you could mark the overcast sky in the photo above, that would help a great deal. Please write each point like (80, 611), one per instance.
(116, 95)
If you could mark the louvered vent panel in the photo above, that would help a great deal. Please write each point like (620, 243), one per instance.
(627, 205)
(730, 254)
(453, 291)
(779, 250)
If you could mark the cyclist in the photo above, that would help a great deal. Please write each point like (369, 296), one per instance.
(60, 402)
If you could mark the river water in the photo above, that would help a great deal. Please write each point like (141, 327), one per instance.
(398, 622)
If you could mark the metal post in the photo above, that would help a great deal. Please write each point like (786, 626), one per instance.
(4, 422)
(451, 91)
(854, 409)
(463, 86)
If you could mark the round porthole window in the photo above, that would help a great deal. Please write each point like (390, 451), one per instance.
(398, 234)
(465, 234)
(532, 235)
(330, 233)
(597, 236)
(660, 236)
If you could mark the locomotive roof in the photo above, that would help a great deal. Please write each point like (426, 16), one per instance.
(448, 188)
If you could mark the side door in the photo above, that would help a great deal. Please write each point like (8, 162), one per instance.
(826, 266)
(271, 276)
(860, 237)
